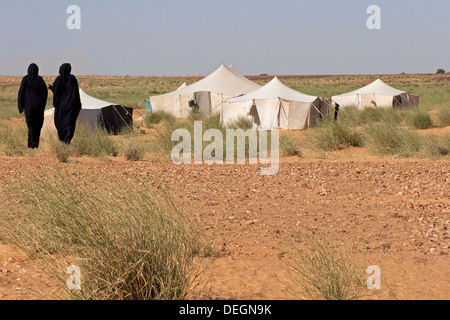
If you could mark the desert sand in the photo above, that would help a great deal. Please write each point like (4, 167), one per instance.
(393, 213)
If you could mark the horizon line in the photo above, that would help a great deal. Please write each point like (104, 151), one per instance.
(254, 75)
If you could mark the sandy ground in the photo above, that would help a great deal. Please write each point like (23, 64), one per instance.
(392, 213)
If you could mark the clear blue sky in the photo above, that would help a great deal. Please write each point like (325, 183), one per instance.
(193, 37)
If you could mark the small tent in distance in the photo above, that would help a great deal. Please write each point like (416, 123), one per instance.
(276, 106)
(113, 117)
(207, 94)
(377, 94)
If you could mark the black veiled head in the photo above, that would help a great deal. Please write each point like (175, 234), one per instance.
(65, 69)
(33, 70)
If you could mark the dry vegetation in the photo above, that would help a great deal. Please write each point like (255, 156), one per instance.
(375, 184)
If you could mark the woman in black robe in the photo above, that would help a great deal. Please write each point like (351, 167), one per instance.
(32, 99)
(67, 102)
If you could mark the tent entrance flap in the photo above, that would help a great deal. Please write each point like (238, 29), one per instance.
(268, 113)
(319, 111)
(294, 115)
(203, 100)
(115, 118)
(408, 100)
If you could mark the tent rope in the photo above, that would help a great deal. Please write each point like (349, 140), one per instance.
(323, 116)
(124, 121)
(135, 108)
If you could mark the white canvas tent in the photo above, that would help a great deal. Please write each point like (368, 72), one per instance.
(376, 94)
(94, 112)
(207, 94)
(276, 106)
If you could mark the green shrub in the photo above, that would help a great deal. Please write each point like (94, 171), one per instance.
(94, 144)
(390, 139)
(195, 115)
(349, 116)
(352, 116)
(163, 143)
(372, 115)
(326, 272)
(104, 146)
(289, 146)
(134, 151)
(420, 119)
(81, 146)
(241, 122)
(14, 139)
(435, 147)
(444, 117)
(128, 130)
(446, 141)
(212, 122)
(331, 136)
(157, 117)
(63, 151)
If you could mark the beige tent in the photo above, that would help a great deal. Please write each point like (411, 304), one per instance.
(207, 94)
(96, 112)
(276, 106)
(377, 94)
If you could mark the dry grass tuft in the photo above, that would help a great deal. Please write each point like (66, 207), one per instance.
(129, 241)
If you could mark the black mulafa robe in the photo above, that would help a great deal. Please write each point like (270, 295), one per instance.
(67, 103)
(32, 99)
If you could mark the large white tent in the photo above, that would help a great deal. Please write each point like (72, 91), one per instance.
(376, 94)
(207, 94)
(276, 106)
(96, 112)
